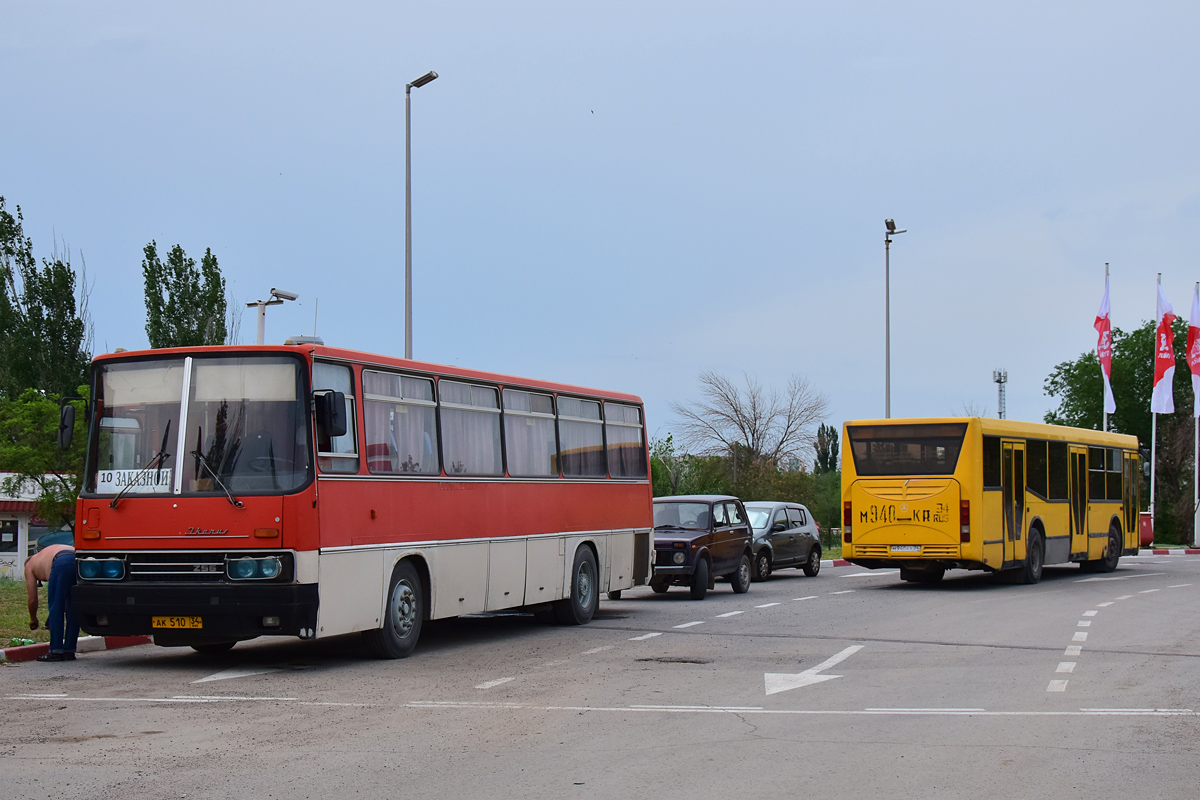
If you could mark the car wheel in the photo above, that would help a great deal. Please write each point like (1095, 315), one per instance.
(813, 565)
(397, 636)
(1034, 557)
(699, 587)
(762, 565)
(740, 580)
(585, 596)
(214, 648)
(660, 588)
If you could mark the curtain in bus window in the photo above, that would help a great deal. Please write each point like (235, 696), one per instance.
(529, 442)
(138, 403)
(339, 454)
(401, 424)
(581, 438)
(470, 439)
(626, 455)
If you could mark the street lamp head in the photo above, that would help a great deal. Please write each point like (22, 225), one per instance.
(891, 225)
(424, 79)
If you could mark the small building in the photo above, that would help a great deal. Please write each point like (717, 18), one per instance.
(18, 514)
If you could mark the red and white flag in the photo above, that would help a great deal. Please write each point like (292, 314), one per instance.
(1162, 399)
(1103, 327)
(1193, 349)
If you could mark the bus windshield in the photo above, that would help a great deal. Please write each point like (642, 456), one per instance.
(245, 431)
(883, 450)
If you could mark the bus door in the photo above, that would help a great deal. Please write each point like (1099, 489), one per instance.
(1129, 497)
(1078, 491)
(1012, 485)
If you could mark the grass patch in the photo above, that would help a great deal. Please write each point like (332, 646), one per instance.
(14, 614)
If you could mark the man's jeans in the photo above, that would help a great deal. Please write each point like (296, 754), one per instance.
(64, 629)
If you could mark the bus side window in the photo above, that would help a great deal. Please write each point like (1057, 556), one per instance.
(339, 453)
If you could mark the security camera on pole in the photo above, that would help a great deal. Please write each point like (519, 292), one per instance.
(277, 298)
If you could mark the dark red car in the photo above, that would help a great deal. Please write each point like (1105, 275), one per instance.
(698, 538)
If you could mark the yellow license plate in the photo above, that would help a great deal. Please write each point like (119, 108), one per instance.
(176, 622)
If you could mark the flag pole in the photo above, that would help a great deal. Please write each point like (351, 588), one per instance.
(1154, 415)
(1195, 447)
(1104, 405)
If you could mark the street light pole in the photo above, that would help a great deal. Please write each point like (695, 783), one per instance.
(887, 314)
(419, 82)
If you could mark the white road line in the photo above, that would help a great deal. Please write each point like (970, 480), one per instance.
(1084, 623)
(559, 662)
(1090, 613)
(697, 708)
(926, 709)
(1121, 577)
(1066, 666)
(767, 605)
(810, 597)
(1104, 605)
(690, 624)
(497, 682)
(871, 574)
(1073, 650)
(730, 614)
(237, 672)
(1147, 591)
(1080, 636)
(1125, 597)
(1057, 686)
(595, 650)
(1179, 586)
(1093, 712)
(645, 636)
(844, 591)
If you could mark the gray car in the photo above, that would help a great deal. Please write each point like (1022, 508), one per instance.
(785, 535)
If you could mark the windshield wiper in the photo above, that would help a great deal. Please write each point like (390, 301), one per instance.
(155, 461)
(671, 527)
(204, 463)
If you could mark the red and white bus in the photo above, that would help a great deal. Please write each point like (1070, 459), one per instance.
(310, 491)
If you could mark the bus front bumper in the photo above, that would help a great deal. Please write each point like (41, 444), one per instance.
(224, 612)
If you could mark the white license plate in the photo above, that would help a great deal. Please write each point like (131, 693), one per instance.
(906, 548)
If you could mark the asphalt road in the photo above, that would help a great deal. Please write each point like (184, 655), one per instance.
(851, 684)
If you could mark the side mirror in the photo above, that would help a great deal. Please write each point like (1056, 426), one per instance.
(331, 413)
(1146, 468)
(66, 426)
(779, 526)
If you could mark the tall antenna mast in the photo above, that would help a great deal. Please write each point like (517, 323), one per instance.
(1000, 376)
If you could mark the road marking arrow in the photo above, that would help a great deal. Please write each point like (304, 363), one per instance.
(782, 682)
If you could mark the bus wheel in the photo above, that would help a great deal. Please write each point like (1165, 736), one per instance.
(762, 565)
(1034, 557)
(1113, 555)
(214, 648)
(585, 595)
(699, 587)
(397, 637)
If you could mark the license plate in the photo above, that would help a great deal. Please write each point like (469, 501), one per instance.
(906, 548)
(176, 622)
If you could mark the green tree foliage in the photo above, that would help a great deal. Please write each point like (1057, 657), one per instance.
(827, 444)
(44, 333)
(1079, 387)
(185, 305)
(29, 448)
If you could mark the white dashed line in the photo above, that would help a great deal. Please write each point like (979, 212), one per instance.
(844, 591)
(767, 605)
(690, 624)
(810, 597)
(1080, 636)
(497, 682)
(645, 636)
(1073, 650)
(1147, 591)
(595, 650)
(1057, 686)
(1104, 605)
(1179, 586)
(1066, 666)
(1084, 623)
(730, 614)
(1125, 597)
(1090, 613)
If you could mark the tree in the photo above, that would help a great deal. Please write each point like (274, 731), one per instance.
(769, 425)
(827, 444)
(1080, 389)
(29, 448)
(185, 306)
(45, 335)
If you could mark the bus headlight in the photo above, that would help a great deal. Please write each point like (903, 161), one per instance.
(242, 569)
(268, 567)
(101, 569)
(249, 568)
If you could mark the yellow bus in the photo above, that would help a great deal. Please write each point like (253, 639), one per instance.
(1006, 497)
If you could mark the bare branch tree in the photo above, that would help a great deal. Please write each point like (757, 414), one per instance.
(768, 424)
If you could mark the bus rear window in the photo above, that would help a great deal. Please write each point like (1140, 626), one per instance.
(885, 450)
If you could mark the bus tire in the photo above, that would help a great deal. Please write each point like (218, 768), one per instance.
(402, 616)
(1035, 557)
(699, 587)
(740, 578)
(1113, 554)
(585, 595)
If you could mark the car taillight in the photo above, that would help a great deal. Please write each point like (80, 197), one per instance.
(847, 515)
(964, 521)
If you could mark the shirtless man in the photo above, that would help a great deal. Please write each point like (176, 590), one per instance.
(54, 566)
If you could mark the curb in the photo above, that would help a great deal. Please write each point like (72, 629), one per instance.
(1176, 552)
(86, 644)
(841, 562)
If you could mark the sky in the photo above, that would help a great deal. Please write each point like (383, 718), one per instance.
(626, 194)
